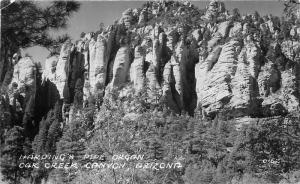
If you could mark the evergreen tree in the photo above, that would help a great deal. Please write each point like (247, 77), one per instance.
(11, 153)
(78, 97)
(24, 24)
(291, 7)
(5, 119)
(156, 149)
(236, 14)
(72, 142)
(41, 138)
(49, 132)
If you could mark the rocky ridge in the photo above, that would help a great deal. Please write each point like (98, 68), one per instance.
(215, 64)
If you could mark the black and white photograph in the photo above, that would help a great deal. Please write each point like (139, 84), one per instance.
(150, 92)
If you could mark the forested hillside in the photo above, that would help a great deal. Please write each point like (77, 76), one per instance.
(212, 94)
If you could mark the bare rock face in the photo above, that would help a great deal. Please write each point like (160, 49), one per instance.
(290, 49)
(98, 63)
(151, 79)
(214, 40)
(152, 60)
(243, 101)
(143, 16)
(49, 72)
(181, 63)
(219, 62)
(197, 34)
(267, 80)
(223, 28)
(127, 17)
(121, 67)
(236, 29)
(252, 57)
(178, 95)
(201, 70)
(156, 50)
(63, 60)
(136, 69)
(271, 26)
(216, 91)
(23, 83)
(278, 91)
(167, 88)
(290, 90)
(295, 31)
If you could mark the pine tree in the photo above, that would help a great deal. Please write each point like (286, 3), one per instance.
(72, 142)
(41, 138)
(5, 118)
(78, 97)
(11, 153)
(46, 139)
(291, 7)
(49, 132)
(156, 149)
(236, 14)
(25, 24)
(215, 142)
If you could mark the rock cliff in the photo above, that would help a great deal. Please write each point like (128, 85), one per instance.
(22, 87)
(214, 63)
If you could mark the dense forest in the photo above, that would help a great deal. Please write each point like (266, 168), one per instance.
(209, 144)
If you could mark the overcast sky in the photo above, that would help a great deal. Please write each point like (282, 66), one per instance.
(91, 13)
